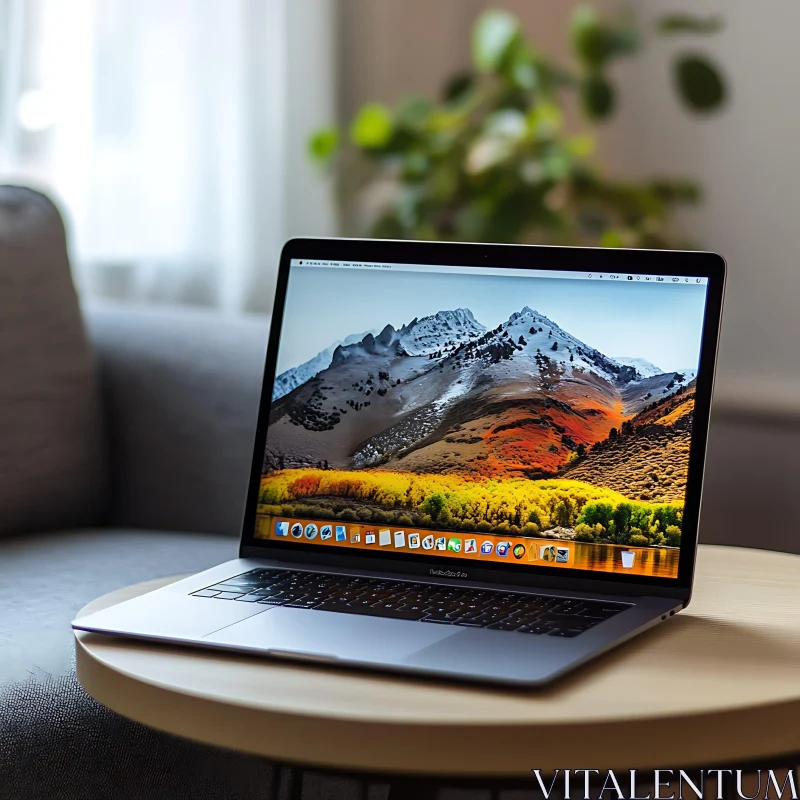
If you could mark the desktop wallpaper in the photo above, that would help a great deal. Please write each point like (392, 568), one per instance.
(503, 407)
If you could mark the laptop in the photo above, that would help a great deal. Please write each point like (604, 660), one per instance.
(479, 462)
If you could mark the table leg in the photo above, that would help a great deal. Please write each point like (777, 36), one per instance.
(286, 781)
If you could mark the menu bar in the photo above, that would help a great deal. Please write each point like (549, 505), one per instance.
(622, 277)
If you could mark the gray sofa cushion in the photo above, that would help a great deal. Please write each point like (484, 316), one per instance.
(181, 388)
(52, 470)
(45, 580)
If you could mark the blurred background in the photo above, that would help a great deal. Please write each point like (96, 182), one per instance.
(185, 140)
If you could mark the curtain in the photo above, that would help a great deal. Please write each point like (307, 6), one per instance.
(172, 133)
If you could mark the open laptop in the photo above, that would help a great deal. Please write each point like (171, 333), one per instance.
(475, 461)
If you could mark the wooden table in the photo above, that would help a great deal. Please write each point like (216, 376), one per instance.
(717, 684)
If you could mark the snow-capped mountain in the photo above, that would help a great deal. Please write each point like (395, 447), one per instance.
(435, 335)
(297, 376)
(445, 329)
(533, 332)
(644, 367)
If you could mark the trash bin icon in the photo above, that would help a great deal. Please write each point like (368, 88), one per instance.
(627, 559)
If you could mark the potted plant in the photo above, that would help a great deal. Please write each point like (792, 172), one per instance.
(491, 160)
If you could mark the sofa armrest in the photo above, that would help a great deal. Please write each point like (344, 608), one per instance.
(181, 389)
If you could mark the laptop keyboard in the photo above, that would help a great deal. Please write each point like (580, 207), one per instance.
(438, 605)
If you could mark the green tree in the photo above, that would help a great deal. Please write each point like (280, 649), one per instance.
(584, 533)
(622, 522)
(433, 504)
(640, 517)
(597, 513)
(666, 515)
(563, 512)
(673, 536)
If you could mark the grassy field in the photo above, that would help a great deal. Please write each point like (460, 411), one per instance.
(515, 506)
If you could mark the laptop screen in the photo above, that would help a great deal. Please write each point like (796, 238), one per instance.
(483, 414)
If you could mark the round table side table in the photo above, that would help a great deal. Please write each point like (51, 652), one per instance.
(717, 684)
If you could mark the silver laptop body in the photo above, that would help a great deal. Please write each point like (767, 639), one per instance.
(452, 475)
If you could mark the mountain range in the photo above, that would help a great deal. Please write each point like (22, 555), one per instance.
(445, 394)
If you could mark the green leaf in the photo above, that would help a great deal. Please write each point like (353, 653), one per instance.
(580, 146)
(492, 37)
(445, 120)
(612, 238)
(323, 144)
(699, 83)
(457, 86)
(597, 98)
(556, 165)
(413, 112)
(586, 36)
(519, 66)
(688, 23)
(487, 152)
(415, 166)
(595, 42)
(372, 128)
(507, 123)
(525, 76)
(545, 119)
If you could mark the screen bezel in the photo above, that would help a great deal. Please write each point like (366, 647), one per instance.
(568, 259)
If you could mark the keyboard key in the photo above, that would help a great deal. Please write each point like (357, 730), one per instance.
(539, 630)
(249, 598)
(228, 595)
(205, 593)
(504, 625)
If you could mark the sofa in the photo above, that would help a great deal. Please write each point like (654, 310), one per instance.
(125, 444)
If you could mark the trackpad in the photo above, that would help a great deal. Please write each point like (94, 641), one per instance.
(329, 635)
